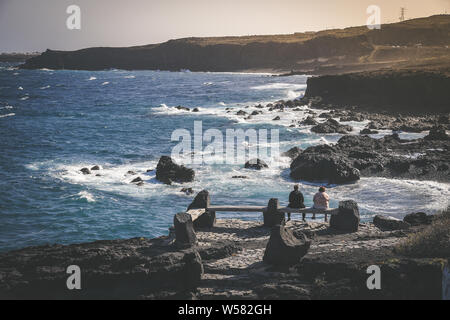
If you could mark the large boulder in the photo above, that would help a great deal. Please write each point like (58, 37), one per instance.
(184, 230)
(256, 164)
(386, 223)
(331, 126)
(437, 133)
(284, 249)
(168, 171)
(315, 165)
(418, 218)
(347, 218)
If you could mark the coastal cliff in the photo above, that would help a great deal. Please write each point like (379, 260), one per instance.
(391, 91)
(406, 44)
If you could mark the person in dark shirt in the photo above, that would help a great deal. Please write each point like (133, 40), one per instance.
(296, 201)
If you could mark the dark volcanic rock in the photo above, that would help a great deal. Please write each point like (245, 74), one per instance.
(183, 108)
(184, 230)
(241, 113)
(368, 131)
(347, 219)
(85, 171)
(323, 164)
(187, 191)
(95, 168)
(201, 201)
(386, 223)
(256, 164)
(292, 153)
(309, 121)
(418, 218)
(276, 118)
(119, 269)
(137, 180)
(331, 126)
(437, 133)
(240, 177)
(284, 249)
(168, 171)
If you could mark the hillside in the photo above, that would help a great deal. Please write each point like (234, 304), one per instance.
(409, 44)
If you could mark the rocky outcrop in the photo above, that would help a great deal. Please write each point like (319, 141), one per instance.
(284, 249)
(437, 133)
(85, 171)
(256, 164)
(347, 219)
(404, 91)
(387, 223)
(387, 157)
(119, 269)
(168, 171)
(309, 121)
(322, 163)
(331, 126)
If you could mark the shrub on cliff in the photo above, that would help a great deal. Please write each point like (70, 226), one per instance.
(431, 242)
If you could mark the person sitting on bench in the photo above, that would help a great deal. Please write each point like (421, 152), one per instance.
(296, 201)
(321, 200)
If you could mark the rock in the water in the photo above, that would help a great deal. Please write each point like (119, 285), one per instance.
(256, 164)
(183, 108)
(196, 110)
(241, 113)
(418, 218)
(96, 168)
(437, 133)
(184, 230)
(347, 219)
(239, 177)
(187, 191)
(131, 173)
(331, 126)
(323, 166)
(168, 171)
(387, 223)
(292, 153)
(201, 201)
(309, 121)
(368, 131)
(85, 171)
(284, 249)
(137, 180)
(277, 118)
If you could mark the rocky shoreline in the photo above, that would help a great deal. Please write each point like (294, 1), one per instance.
(226, 263)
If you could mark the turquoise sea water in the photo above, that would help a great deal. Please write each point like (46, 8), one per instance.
(53, 123)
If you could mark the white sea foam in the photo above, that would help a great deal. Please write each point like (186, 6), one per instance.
(92, 78)
(7, 107)
(130, 77)
(105, 83)
(7, 115)
(20, 88)
(46, 87)
(86, 196)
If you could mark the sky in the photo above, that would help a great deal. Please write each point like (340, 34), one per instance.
(35, 25)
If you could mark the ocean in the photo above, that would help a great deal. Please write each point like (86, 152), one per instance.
(53, 123)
